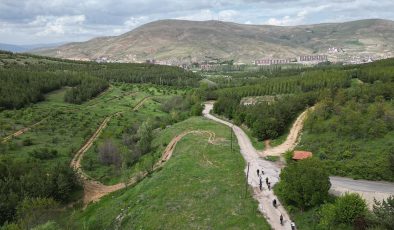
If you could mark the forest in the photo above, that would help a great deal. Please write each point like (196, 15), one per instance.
(25, 78)
(293, 94)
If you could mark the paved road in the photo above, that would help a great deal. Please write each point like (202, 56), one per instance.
(271, 171)
(367, 189)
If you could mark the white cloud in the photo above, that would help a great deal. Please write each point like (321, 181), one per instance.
(32, 21)
(130, 24)
(228, 15)
(58, 25)
(203, 15)
(299, 18)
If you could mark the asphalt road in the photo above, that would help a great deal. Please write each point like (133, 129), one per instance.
(369, 190)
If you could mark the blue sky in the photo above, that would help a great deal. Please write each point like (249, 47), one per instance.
(51, 21)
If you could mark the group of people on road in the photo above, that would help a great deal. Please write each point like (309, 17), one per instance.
(260, 176)
(274, 202)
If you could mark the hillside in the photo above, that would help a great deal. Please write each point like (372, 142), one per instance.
(184, 41)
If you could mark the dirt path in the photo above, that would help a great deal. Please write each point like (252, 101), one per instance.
(94, 190)
(292, 139)
(271, 171)
(21, 131)
(141, 103)
(267, 144)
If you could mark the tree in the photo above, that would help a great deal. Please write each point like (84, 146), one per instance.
(347, 210)
(384, 212)
(391, 160)
(145, 137)
(304, 184)
(109, 154)
(349, 207)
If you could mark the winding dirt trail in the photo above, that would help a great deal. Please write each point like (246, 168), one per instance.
(21, 131)
(292, 139)
(138, 106)
(94, 190)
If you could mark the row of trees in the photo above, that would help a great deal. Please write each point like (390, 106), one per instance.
(19, 88)
(87, 89)
(304, 82)
(24, 79)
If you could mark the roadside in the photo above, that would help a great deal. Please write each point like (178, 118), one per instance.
(271, 171)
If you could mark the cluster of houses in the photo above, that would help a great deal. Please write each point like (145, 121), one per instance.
(306, 60)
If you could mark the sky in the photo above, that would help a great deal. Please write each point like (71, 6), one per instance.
(52, 21)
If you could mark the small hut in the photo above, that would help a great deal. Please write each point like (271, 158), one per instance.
(301, 155)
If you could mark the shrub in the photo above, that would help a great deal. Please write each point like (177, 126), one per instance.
(384, 212)
(304, 184)
(347, 210)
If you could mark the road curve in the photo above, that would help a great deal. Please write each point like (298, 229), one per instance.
(271, 171)
(369, 190)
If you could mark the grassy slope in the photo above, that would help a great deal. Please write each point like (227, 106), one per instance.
(201, 186)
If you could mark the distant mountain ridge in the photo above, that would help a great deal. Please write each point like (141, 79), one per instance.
(25, 48)
(189, 41)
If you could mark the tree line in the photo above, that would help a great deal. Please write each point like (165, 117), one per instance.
(24, 79)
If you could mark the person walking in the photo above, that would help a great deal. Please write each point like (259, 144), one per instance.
(266, 180)
(274, 203)
(269, 186)
(262, 172)
(281, 219)
(261, 185)
(258, 172)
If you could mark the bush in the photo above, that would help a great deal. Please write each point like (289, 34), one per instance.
(384, 212)
(347, 210)
(109, 154)
(304, 184)
(27, 142)
(44, 153)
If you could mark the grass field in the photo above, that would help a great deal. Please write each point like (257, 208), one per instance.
(201, 187)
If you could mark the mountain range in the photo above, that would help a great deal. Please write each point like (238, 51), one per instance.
(195, 41)
(26, 48)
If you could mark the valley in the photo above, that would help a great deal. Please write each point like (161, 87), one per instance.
(112, 145)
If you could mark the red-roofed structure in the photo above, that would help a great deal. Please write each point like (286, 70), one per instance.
(300, 155)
